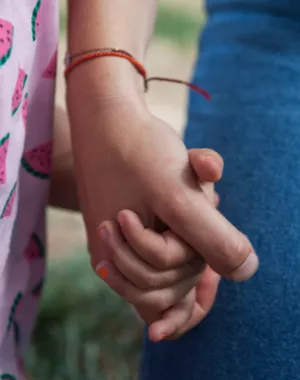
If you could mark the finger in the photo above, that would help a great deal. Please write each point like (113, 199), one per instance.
(174, 319)
(162, 300)
(216, 199)
(162, 251)
(155, 301)
(189, 214)
(206, 292)
(206, 289)
(139, 272)
(109, 273)
(207, 164)
(209, 190)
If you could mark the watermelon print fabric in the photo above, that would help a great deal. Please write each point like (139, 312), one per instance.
(28, 46)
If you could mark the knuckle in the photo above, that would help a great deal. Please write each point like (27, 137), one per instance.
(151, 281)
(234, 252)
(161, 303)
(125, 292)
(240, 248)
(165, 260)
(176, 204)
(153, 302)
(160, 258)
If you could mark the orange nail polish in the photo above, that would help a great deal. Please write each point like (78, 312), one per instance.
(103, 234)
(102, 272)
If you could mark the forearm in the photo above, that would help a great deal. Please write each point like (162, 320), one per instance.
(104, 96)
(104, 92)
(111, 23)
(96, 24)
(63, 189)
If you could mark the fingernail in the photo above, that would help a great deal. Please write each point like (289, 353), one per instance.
(103, 233)
(161, 336)
(102, 271)
(215, 165)
(246, 270)
(121, 219)
(212, 159)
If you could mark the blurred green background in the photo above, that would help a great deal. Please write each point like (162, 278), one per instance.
(176, 21)
(84, 330)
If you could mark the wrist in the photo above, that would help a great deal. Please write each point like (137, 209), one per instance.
(107, 78)
(110, 108)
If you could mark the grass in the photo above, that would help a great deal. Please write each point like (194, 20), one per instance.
(84, 331)
(178, 25)
(173, 23)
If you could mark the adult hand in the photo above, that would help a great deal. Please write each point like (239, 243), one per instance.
(157, 272)
(197, 304)
(135, 161)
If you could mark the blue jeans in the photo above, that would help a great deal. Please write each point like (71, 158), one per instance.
(250, 64)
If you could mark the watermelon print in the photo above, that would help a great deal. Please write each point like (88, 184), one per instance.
(24, 110)
(50, 71)
(38, 161)
(6, 376)
(7, 209)
(6, 40)
(28, 54)
(3, 153)
(35, 249)
(18, 92)
(13, 309)
(37, 290)
(35, 20)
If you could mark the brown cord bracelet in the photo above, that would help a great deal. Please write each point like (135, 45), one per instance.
(73, 61)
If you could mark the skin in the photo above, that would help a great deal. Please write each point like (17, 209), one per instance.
(63, 188)
(150, 267)
(208, 166)
(125, 158)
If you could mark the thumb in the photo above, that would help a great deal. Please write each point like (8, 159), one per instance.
(207, 164)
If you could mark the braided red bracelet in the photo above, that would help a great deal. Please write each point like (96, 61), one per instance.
(73, 61)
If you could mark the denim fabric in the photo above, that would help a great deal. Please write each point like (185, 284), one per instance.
(250, 63)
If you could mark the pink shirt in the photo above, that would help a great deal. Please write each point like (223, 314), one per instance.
(28, 46)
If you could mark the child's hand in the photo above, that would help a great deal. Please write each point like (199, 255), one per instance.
(131, 160)
(157, 273)
(204, 296)
(201, 298)
(152, 271)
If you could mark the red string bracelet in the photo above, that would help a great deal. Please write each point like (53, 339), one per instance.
(73, 61)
